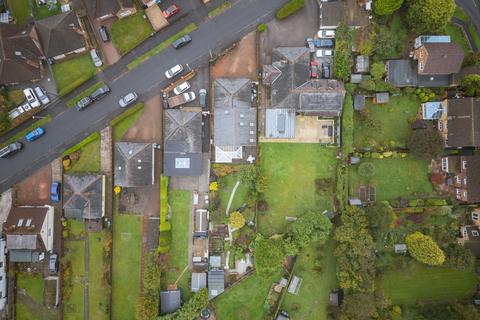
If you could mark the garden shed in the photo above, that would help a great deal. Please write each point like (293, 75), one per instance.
(359, 102)
(199, 281)
(400, 248)
(295, 285)
(362, 64)
(381, 97)
(170, 301)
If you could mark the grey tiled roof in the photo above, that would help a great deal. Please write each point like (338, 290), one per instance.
(83, 196)
(170, 301)
(216, 283)
(133, 164)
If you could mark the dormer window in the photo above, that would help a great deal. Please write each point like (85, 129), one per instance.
(474, 216)
(465, 181)
(465, 194)
(458, 179)
(458, 193)
(464, 164)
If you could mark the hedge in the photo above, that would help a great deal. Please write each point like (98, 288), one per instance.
(165, 226)
(347, 126)
(94, 136)
(262, 27)
(126, 114)
(289, 8)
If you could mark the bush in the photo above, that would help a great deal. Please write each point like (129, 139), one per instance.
(366, 169)
(423, 249)
(214, 186)
(262, 27)
(164, 241)
(236, 220)
(289, 8)
(435, 202)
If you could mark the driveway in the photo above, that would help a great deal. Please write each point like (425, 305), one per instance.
(35, 190)
(148, 127)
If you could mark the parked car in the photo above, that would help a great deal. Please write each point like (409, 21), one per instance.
(31, 97)
(171, 11)
(314, 69)
(55, 191)
(181, 88)
(310, 45)
(326, 33)
(202, 96)
(181, 99)
(173, 71)
(103, 31)
(83, 103)
(53, 263)
(35, 134)
(11, 149)
(324, 43)
(326, 70)
(100, 93)
(128, 99)
(42, 95)
(182, 41)
(324, 53)
(96, 59)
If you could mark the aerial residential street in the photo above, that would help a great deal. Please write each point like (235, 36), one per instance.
(472, 8)
(72, 126)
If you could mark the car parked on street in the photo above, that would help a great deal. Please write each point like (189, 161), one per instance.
(103, 31)
(171, 11)
(173, 71)
(83, 103)
(326, 33)
(324, 43)
(11, 149)
(42, 95)
(35, 134)
(181, 88)
(55, 191)
(31, 97)
(95, 58)
(53, 263)
(202, 97)
(128, 99)
(326, 70)
(324, 53)
(182, 41)
(314, 69)
(100, 93)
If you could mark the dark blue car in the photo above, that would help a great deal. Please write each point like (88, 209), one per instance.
(324, 43)
(55, 191)
(35, 134)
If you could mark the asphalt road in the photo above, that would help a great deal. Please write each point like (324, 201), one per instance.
(71, 126)
(472, 8)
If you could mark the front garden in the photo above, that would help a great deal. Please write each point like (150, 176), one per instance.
(71, 74)
(127, 33)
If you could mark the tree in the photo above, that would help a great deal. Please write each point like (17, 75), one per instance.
(426, 144)
(423, 249)
(366, 169)
(386, 7)
(367, 47)
(377, 70)
(359, 306)
(380, 217)
(342, 61)
(312, 226)
(236, 220)
(458, 257)
(471, 85)
(368, 85)
(429, 16)
(190, 309)
(268, 256)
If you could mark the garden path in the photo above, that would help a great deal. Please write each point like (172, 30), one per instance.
(231, 197)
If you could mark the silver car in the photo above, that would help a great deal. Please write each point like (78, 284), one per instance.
(173, 71)
(128, 99)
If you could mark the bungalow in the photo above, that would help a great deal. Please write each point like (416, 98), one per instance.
(107, 9)
(20, 54)
(29, 233)
(61, 36)
(463, 180)
(134, 164)
(84, 196)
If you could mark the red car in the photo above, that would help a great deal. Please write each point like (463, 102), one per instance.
(314, 69)
(172, 10)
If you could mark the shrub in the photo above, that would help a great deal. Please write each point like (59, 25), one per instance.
(289, 8)
(377, 70)
(435, 202)
(423, 249)
(366, 169)
(164, 241)
(214, 186)
(262, 27)
(236, 220)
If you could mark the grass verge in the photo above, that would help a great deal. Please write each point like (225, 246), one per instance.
(86, 92)
(218, 10)
(22, 133)
(70, 74)
(124, 121)
(139, 60)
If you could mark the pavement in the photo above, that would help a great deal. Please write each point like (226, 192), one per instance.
(472, 8)
(70, 126)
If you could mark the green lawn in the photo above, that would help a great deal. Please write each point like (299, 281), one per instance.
(144, 57)
(98, 293)
(86, 92)
(77, 227)
(179, 202)
(394, 178)
(428, 284)
(312, 300)
(129, 32)
(20, 10)
(127, 251)
(73, 306)
(22, 312)
(33, 285)
(89, 160)
(72, 73)
(226, 185)
(457, 35)
(218, 10)
(291, 170)
(20, 135)
(42, 12)
(393, 118)
(123, 122)
(245, 300)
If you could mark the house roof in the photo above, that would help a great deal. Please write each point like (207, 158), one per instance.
(382, 97)
(83, 196)
(321, 97)
(24, 227)
(403, 73)
(182, 143)
(133, 164)
(359, 102)
(170, 301)
(463, 122)
(216, 283)
(473, 178)
(443, 58)
(23, 256)
(199, 281)
(60, 34)
(431, 39)
(19, 54)
(109, 7)
(280, 123)
(235, 121)
(432, 110)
